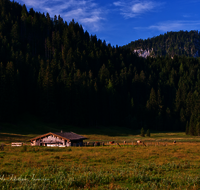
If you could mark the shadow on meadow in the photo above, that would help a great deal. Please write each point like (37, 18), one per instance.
(31, 125)
(9, 137)
(28, 126)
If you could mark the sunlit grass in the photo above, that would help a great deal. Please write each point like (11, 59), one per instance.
(108, 167)
(158, 165)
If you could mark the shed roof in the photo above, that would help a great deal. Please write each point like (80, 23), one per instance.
(64, 135)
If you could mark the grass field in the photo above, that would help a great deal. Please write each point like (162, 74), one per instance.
(175, 166)
(159, 165)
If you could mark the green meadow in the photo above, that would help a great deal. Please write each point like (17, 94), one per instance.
(109, 167)
(158, 165)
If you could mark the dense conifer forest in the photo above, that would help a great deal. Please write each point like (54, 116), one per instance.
(172, 43)
(59, 72)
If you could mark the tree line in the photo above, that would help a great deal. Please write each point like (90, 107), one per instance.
(59, 72)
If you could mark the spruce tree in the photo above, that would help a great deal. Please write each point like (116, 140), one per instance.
(142, 132)
(148, 133)
(192, 129)
(198, 129)
(187, 129)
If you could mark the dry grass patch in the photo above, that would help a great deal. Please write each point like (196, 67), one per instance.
(174, 166)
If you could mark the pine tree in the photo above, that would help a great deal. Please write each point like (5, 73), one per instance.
(192, 129)
(198, 129)
(142, 132)
(152, 102)
(187, 129)
(148, 133)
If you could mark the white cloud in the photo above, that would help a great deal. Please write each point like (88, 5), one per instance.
(135, 8)
(86, 12)
(118, 3)
(176, 25)
(143, 7)
(172, 26)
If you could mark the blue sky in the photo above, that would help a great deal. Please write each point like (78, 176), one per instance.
(120, 22)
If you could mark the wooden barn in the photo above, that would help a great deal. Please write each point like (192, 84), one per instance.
(61, 139)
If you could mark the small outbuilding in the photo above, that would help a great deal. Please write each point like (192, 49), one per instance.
(60, 139)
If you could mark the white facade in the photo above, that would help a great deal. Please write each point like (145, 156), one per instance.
(53, 140)
(58, 139)
(49, 140)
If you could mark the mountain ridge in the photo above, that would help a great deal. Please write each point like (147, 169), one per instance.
(170, 44)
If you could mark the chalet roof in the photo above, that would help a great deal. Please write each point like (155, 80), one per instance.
(64, 135)
(70, 135)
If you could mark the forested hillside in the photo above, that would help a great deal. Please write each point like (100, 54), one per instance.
(171, 43)
(57, 71)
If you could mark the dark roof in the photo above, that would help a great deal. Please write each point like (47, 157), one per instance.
(65, 135)
(70, 135)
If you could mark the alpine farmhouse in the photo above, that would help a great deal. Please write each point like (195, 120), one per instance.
(60, 139)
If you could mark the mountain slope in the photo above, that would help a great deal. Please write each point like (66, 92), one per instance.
(59, 73)
(56, 70)
(171, 43)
